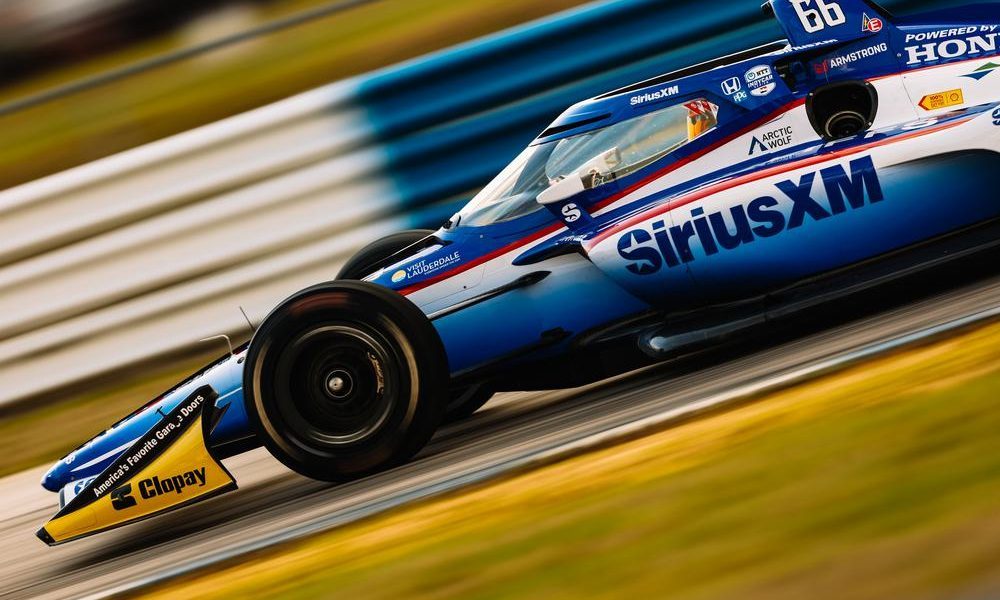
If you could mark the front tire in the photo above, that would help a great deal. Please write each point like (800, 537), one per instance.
(345, 379)
(463, 402)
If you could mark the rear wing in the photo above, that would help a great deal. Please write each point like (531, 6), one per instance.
(813, 21)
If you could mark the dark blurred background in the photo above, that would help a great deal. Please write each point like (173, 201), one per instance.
(39, 35)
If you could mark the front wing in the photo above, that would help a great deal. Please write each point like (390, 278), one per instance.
(169, 467)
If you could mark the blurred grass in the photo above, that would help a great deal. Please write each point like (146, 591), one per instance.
(183, 37)
(46, 434)
(880, 482)
(103, 121)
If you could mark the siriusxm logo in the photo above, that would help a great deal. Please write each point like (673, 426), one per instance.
(649, 250)
(661, 94)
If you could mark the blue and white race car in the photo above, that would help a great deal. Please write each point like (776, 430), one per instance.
(669, 213)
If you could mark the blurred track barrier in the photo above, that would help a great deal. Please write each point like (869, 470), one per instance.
(137, 256)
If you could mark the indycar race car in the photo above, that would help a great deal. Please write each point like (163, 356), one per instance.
(645, 222)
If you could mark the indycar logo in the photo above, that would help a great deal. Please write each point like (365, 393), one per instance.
(760, 80)
(649, 250)
(967, 45)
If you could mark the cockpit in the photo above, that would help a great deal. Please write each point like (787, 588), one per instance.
(588, 160)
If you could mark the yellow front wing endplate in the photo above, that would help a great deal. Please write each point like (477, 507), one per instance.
(169, 467)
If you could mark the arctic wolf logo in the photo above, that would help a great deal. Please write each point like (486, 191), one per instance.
(649, 250)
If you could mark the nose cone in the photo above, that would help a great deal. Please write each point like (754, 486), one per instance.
(56, 478)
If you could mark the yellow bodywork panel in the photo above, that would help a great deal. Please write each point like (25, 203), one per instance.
(169, 467)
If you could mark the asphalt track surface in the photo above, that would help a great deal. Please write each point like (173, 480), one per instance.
(512, 427)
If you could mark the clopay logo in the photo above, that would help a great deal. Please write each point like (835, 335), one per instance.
(649, 250)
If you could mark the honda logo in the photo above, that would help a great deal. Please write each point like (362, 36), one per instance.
(731, 86)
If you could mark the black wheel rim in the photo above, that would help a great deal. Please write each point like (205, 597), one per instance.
(333, 385)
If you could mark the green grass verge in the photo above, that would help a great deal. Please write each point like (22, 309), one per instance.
(881, 482)
(168, 100)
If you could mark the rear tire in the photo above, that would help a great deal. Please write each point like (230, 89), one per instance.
(364, 261)
(345, 379)
(465, 402)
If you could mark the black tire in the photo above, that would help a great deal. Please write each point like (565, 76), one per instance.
(345, 379)
(464, 402)
(360, 265)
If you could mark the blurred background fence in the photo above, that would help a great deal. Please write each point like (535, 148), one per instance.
(135, 257)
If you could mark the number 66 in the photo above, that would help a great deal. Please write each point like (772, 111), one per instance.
(826, 14)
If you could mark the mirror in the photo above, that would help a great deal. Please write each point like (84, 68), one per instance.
(594, 173)
(561, 190)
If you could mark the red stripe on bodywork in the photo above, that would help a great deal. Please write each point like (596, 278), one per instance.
(603, 204)
(776, 170)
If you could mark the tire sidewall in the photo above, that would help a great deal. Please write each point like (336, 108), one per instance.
(421, 377)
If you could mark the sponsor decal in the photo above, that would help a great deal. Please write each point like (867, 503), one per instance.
(136, 456)
(571, 213)
(399, 275)
(850, 58)
(808, 46)
(817, 15)
(816, 196)
(942, 100)
(168, 466)
(155, 486)
(965, 43)
(983, 71)
(661, 94)
(734, 89)
(731, 86)
(760, 80)
(870, 25)
(772, 140)
(426, 267)
(122, 498)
